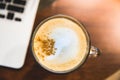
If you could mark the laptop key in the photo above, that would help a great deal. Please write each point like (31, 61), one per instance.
(1, 0)
(2, 5)
(10, 15)
(17, 19)
(15, 8)
(20, 2)
(8, 0)
(2, 16)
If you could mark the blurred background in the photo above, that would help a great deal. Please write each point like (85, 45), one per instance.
(101, 19)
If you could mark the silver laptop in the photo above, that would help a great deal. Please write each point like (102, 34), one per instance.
(16, 22)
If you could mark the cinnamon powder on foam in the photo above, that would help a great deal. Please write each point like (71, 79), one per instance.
(46, 46)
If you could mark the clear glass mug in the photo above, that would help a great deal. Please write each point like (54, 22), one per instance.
(91, 50)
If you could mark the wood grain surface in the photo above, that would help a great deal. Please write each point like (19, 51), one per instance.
(101, 18)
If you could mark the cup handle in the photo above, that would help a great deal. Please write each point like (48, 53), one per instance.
(94, 51)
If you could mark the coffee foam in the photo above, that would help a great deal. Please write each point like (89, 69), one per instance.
(70, 44)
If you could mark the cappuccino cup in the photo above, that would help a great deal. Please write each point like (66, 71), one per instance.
(61, 44)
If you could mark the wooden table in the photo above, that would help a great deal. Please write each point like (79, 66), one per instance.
(101, 18)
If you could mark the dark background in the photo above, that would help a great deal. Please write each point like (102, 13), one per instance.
(101, 18)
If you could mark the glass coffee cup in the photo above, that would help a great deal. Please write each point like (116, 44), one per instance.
(61, 44)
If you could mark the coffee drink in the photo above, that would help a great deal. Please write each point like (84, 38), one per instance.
(60, 44)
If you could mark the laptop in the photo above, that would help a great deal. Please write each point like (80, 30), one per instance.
(16, 22)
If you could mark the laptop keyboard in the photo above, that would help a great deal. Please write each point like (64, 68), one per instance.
(12, 7)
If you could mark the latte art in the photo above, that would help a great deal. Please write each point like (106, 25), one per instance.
(60, 44)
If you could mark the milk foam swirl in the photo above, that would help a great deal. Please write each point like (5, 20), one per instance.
(69, 44)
